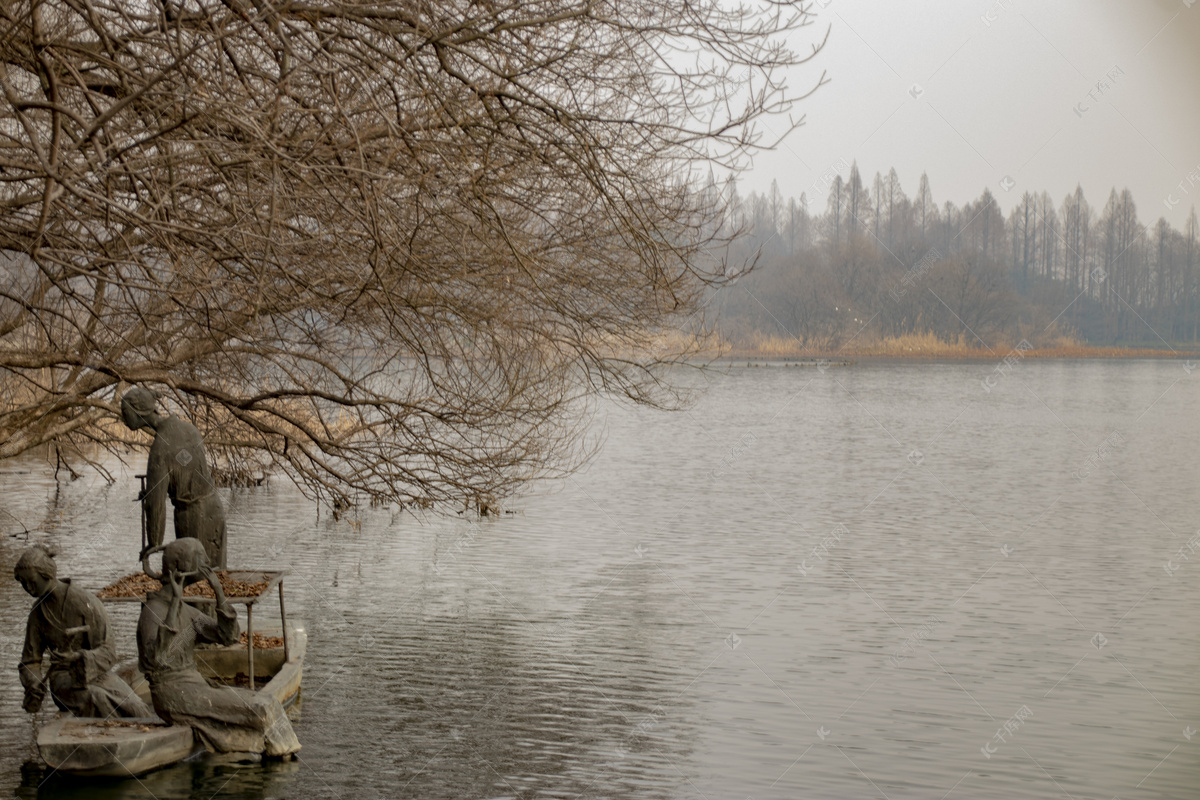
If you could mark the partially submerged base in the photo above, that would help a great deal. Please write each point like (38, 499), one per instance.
(126, 747)
(113, 748)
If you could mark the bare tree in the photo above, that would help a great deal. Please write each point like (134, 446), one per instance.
(1077, 220)
(858, 205)
(1024, 239)
(389, 248)
(1049, 237)
(877, 217)
(925, 208)
(978, 303)
(899, 208)
(799, 225)
(835, 209)
(1191, 265)
(1119, 234)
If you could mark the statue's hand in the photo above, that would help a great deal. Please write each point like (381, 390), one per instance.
(176, 580)
(211, 576)
(66, 656)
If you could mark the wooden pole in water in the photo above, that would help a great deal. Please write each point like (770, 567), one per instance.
(283, 623)
(250, 641)
(142, 494)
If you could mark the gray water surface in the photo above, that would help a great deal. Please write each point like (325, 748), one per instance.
(667, 623)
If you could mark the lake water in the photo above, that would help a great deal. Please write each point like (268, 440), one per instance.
(879, 580)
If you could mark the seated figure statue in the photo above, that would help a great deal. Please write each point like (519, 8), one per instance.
(226, 719)
(73, 626)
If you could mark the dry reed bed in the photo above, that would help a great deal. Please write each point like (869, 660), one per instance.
(929, 346)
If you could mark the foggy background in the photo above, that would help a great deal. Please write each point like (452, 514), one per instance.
(974, 92)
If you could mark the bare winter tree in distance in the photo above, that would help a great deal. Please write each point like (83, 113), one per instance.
(391, 249)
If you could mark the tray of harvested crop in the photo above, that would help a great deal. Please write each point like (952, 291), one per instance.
(240, 586)
(263, 641)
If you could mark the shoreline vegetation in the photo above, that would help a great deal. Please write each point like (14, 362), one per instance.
(857, 269)
(929, 347)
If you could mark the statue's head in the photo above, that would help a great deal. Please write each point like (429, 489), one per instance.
(137, 407)
(184, 555)
(36, 570)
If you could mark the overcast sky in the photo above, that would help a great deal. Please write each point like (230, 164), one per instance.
(1032, 96)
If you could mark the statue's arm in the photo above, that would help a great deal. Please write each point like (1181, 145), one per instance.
(168, 626)
(101, 656)
(30, 667)
(224, 629)
(154, 501)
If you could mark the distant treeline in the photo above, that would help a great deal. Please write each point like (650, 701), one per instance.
(878, 264)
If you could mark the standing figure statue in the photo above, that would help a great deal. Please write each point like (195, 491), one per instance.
(227, 719)
(73, 626)
(177, 468)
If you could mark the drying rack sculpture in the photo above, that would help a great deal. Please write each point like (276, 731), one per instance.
(191, 686)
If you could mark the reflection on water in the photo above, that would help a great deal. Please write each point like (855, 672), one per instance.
(877, 580)
(205, 776)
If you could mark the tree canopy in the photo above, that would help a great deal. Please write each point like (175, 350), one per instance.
(390, 248)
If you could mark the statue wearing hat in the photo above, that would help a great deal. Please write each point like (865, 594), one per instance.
(178, 469)
(73, 626)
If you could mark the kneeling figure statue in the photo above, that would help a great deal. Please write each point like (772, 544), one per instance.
(73, 626)
(226, 719)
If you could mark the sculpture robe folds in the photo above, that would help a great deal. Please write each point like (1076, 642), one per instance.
(87, 687)
(226, 719)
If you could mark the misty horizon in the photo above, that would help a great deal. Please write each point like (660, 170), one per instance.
(1009, 95)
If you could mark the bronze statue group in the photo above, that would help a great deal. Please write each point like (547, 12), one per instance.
(72, 625)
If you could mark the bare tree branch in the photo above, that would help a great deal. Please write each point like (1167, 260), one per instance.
(392, 249)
